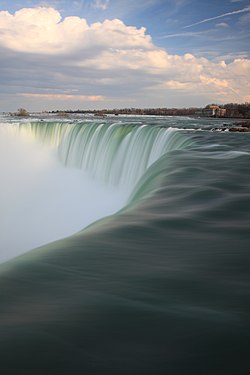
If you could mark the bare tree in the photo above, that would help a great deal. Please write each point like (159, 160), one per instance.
(22, 112)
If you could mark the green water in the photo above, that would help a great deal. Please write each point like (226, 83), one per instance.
(160, 287)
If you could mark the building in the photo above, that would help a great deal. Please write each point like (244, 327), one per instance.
(212, 111)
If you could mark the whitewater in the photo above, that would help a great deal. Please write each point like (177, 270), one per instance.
(124, 246)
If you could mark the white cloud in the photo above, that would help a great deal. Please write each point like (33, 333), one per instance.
(67, 97)
(222, 24)
(42, 30)
(55, 59)
(176, 85)
(101, 4)
(216, 82)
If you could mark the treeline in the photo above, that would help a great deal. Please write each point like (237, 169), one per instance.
(159, 111)
(237, 110)
(135, 111)
(233, 110)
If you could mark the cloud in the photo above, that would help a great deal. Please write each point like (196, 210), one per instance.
(101, 4)
(92, 98)
(244, 20)
(222, 24)
(244, 10)
(176, 85)
(42, 30)
(218, 83)
(46, 60)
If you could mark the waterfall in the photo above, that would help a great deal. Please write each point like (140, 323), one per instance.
(117, 153)
(42, 201)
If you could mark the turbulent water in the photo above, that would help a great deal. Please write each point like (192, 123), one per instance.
(158, 281)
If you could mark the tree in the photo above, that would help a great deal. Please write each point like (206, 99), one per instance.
(22, 112)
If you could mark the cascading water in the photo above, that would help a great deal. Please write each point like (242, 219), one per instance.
(43, 201)
(117, 154)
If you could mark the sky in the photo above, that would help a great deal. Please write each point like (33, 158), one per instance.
(94, 54)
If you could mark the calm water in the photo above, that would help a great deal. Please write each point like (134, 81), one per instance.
(161, 285)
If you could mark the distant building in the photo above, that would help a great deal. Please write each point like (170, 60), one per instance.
(212, 111)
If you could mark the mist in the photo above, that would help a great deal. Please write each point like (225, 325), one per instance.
(41, 200)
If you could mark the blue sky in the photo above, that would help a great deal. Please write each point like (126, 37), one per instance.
(117, 54)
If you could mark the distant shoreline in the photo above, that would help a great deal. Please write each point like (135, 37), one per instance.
(237, 124)
(70, 114)
(225, 111)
